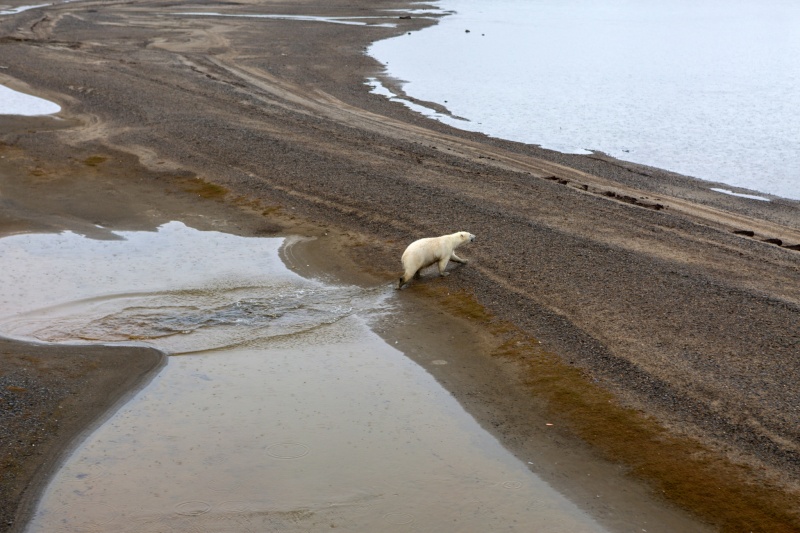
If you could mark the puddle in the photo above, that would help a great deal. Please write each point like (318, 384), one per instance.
(279, 410)
(16, 103)
(740, 195)
(20, 9)
(349, 21)
(376, 87)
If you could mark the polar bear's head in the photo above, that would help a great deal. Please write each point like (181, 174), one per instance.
(465, 236)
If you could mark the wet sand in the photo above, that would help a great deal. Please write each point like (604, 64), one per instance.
(590, 276)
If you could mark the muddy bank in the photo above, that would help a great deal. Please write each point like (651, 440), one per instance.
(683, 303)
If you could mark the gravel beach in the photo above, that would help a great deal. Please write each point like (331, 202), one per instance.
(652, 317)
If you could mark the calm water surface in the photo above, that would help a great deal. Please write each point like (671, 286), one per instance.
(708, 89)
(279, 409)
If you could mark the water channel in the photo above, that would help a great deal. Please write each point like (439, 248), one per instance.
(279, 409)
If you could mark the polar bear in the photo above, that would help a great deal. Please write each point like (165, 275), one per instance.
(425, 252)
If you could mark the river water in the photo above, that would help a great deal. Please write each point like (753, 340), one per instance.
(279, 408)
(707, 89)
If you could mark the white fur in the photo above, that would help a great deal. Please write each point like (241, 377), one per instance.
(426, 252)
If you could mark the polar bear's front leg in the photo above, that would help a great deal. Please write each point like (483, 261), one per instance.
(454, 257)
(443, 265)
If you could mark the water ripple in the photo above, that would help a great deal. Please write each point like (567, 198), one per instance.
(187, 321)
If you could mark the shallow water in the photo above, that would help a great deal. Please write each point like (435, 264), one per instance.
(280, 408)
(348, 21)
(16, 103)
(20, 9)
(740, 195)
(707, 89)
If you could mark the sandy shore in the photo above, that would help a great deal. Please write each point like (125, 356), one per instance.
(657, 321)
(50, 395)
